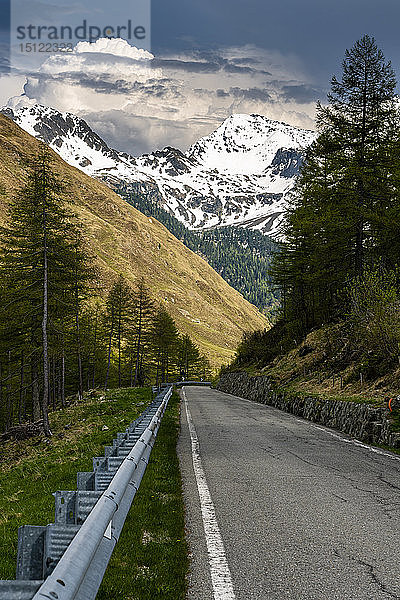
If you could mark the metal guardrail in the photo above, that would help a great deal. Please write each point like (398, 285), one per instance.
(156, 389)
(67, 559)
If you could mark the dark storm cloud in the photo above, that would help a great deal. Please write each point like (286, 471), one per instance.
(210, 62)
(159, 88)
(209, 55)
(96, 58)
(230, 68)
(188, 66)
(103, 86)
(245, 61)
(301, 93)
(258, 94)
(315, 32)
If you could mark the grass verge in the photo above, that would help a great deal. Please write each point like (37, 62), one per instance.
(150, 561)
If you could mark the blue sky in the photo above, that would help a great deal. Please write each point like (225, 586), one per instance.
(212, 58)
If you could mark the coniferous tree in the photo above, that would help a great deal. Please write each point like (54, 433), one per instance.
(165, 340)
(81, 278)
(362, 121)
(188, 358)
(120, 311)
(335, 224)
(204, 369)
(37, 261)
(57, 337)
(94, 343)
(144, 312)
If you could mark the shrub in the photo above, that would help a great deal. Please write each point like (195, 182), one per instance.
(374, 315)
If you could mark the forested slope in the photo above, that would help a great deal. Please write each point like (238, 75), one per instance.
(338, 269)
(241, 256)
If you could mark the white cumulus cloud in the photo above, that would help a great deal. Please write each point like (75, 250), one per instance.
(139, 102)
(114, 46)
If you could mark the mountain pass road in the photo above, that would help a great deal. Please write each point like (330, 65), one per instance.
(281, 508)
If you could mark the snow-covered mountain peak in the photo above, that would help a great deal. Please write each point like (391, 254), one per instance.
(68, 135)
(247, 144)
(238, 175)
(169, 161)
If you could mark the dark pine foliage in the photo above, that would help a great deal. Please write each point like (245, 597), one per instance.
(342, 229)
(344, 215)
(241, 256)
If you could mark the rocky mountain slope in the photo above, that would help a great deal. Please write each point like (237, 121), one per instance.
(128, 242)
(238, 175)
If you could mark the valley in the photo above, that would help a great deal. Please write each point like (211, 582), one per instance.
(125, 241)
(234, 182)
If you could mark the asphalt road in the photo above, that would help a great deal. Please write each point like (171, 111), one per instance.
(303, 512)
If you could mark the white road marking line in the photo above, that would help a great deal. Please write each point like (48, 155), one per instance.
(354, 442)
(220, 574)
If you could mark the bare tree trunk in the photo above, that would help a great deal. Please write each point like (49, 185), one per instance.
(63, 377)
(22, 394)
(158, 369)
(119, 346)
(95, 350)
(164, 366)
(45, 400)
(45, 341)
(54, 384)
(141, 379)
(8, 394)
(58, 380)
(109, 348)
(139, 342)
(131, 369)
(78, 332)
(2, 415)
(35, 391)
(51, 396)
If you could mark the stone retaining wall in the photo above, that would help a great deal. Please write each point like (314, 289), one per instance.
(361, 421)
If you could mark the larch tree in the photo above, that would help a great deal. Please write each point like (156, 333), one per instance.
(120, 310)
(144, 312)
(188, 357)
(37, 255)
(361, 121)
(165, 338)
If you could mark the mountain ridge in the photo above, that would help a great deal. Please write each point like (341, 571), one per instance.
(126, 241)
(240, 175)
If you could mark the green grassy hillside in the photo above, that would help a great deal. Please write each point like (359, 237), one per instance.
(128, 242)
